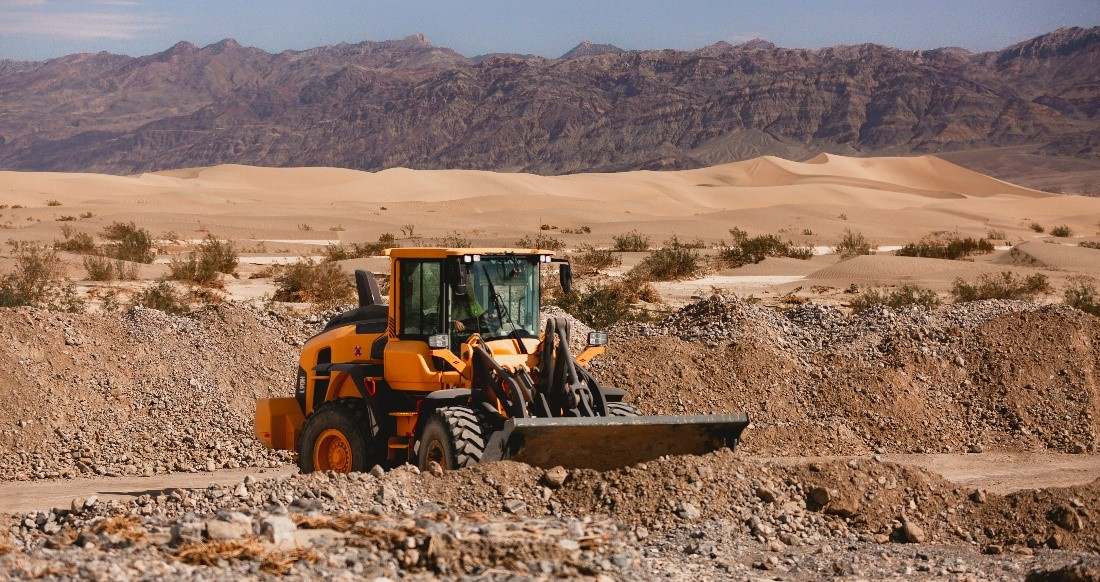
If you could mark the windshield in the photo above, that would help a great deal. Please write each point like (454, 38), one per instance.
(502, 299)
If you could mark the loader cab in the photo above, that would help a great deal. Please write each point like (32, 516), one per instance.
(495, 295)
(492, 294)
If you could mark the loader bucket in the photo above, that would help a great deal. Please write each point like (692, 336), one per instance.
(611, 442)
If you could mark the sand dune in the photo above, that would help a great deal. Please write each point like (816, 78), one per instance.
(892, 201)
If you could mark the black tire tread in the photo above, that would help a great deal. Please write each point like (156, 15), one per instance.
(469, 432)
(621, 409)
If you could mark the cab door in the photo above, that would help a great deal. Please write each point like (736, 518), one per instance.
(420, 314)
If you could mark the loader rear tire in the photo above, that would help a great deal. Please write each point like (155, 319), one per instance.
(339, 436)
(620, 409)
(454, 437)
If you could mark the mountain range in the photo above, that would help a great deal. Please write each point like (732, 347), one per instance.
(406, 102)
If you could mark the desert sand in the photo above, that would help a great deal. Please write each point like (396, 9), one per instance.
(277, 214)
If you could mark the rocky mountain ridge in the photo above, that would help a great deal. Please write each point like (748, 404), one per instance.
(406, 102)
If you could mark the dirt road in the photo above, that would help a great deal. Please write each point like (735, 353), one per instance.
(26, 496)
(997, 472)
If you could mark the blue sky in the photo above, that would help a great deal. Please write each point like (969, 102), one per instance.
(42, 29)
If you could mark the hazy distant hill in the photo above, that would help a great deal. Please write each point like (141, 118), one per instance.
(408, 103)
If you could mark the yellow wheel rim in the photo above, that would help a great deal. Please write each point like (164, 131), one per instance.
(332, 452)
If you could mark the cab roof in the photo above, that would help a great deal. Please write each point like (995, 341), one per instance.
(442, 253)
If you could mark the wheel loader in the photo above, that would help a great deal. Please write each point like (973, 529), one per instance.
(456, 370)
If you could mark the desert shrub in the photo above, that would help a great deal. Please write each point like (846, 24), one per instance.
(589, 259)
(130, 243)
(65, 218)
(670, 262)
(84, 215)
(746, 250)
(1088, 244)
(1082, 295)
(53, 202)
(1061, 231)
(954, 248)
(1003, 286)
(99, 268)
(38, 280)
(996, 234)
(37, 271)
(454, 241)
(1037, 227)
(602, 304)
(205, 265)
(852, 244)
(578, 230)
(900, 297)
(163, 297)
(631, 242)
(75, 242)
(542, 241)
(359, 250)
(323, 284)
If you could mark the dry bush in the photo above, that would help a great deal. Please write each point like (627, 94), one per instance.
(746, 250)
(1061, 231)
(900, 297)
(602, 304)
(670, 262)
(853, 244)
(38, 280)
(358, 250)
(631, 242)
(323, 284)
(205, 265)
(163, 297)
(1088, 244)
(130, 243)
(946, 247)
(1037, 227)
(541, 241)
(1082, 295)
(589, 259)
(75, 242)
(454, 241)
(1003, 286)
(99, 268)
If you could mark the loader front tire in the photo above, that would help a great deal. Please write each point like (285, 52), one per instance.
(620, 409)
(339, 437)
(454, 437)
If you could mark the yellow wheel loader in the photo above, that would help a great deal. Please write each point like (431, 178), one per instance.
(456, 370)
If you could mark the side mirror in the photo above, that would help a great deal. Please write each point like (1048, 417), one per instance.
(565, 275)
(457, 274)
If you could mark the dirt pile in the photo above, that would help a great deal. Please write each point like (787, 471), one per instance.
(716, 516)
(991, 374)
(140, 393)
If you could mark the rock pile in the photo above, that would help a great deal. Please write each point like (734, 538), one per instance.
(140, 394)
(999, 374)
(710, 517)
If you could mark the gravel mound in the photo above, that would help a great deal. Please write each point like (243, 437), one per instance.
(141, 393)
(710, 517)
(993, 374)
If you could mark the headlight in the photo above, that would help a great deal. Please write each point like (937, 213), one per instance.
(597, 338)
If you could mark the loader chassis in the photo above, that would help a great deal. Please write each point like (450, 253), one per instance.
(456, 364)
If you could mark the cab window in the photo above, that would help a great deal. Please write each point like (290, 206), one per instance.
(421, 313)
